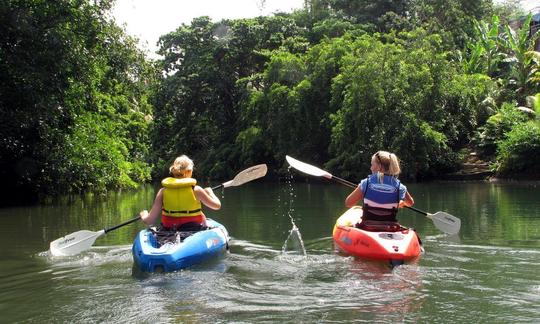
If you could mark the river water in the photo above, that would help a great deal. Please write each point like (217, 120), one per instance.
(281, 266)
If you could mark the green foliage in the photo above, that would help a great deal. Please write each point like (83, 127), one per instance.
(66, 66)
(93, 158)
(451, 18)
(330, 28)
(83, 109)
(496, 129)
(285, 69)
(485, 55)
(428, 153)
(210, 68)
(251, 143)
(518, 152)
(368, 12)
(404, 98)
(519, 46)
(536, 106)
(321, 83)
(505, 54)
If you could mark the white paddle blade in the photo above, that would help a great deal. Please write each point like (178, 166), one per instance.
(445, 222)
(307, 168)
(74, 243)
(249, 174)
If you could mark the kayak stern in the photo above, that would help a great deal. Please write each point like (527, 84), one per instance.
(196, 248)
(393, 246)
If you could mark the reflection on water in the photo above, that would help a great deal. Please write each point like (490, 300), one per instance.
(488, 272)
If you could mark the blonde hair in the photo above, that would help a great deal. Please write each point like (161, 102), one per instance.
(389, 163)
(181, 166)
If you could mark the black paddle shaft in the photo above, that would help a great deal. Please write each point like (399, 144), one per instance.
(107, 230)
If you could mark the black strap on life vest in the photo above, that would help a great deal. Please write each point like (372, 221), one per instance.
(379, 214)
(181, 211)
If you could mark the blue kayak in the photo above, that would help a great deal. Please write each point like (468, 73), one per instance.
(183, 250)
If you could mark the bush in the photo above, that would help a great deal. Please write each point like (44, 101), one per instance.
(496, 129)
(93, 158)
(519, 152)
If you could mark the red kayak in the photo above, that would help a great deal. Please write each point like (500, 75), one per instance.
(386, 241)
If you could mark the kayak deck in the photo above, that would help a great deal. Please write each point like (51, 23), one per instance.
(396, 244)
(150, 256)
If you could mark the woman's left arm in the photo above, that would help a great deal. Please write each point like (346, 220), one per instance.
(207, 197)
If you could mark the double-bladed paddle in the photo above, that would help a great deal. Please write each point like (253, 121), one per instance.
(443, 221)
(80, 241)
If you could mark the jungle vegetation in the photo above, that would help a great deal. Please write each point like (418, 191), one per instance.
(83, 109)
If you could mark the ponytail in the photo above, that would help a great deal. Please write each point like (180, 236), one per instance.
(389, 163)
(394, 169)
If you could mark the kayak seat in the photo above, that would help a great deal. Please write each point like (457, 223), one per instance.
(379, 226)
(190, 227)
(165, 235)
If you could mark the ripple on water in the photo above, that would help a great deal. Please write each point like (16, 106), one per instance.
(315, 285)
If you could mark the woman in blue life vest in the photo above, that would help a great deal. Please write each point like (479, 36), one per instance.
(381, 192)
(179, 201)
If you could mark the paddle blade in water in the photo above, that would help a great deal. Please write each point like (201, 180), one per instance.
(74, 243)
(445, 222)
(307, 168)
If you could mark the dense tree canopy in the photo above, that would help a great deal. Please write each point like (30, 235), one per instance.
(83, 109)
(73, 97)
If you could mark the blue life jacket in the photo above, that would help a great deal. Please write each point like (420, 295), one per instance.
(381, 200)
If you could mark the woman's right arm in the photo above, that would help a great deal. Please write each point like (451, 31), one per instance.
(149, 218)
(354, 197)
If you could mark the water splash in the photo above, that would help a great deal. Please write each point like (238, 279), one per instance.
(294, 240)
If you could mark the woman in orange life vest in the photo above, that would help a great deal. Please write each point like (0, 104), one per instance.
(179, 201)
(381, 192)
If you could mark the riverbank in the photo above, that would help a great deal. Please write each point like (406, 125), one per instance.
(473, 168)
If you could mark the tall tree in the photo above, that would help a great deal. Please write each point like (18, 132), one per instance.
(208, 66)
(61, 61)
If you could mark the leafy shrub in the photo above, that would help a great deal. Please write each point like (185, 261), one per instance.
(519, 152)
(94, 158)
(496, 129)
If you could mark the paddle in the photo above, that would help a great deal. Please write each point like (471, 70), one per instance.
(443, 221)
(80, 241)
(252, 173)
